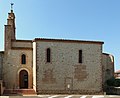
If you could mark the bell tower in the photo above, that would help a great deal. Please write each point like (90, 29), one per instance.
(10, 29)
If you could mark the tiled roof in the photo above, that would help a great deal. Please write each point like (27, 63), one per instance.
(67, 40)
(118, 71)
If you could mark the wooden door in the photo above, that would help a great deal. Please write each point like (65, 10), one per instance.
(23, 79)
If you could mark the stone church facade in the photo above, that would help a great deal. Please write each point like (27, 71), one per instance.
(53, 65)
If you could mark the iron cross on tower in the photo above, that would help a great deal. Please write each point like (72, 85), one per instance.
(12, 6)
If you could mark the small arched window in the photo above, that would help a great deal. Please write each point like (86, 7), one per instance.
(48, 54)
(23, 59)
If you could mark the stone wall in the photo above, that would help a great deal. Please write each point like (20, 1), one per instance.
(34, 66)
(108, 68)
(12, 67)
(1, 63)
(21, 44)
(64, 73)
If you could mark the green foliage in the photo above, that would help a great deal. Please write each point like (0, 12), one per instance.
(113, 82)
(117, 82)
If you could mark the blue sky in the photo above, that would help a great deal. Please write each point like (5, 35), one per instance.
(97, 20)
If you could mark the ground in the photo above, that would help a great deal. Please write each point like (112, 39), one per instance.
(63, 96)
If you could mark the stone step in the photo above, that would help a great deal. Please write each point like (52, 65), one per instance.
(19, 92)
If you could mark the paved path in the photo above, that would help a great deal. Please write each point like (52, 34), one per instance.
(63, 96)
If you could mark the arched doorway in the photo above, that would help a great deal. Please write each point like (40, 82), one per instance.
(23, 79)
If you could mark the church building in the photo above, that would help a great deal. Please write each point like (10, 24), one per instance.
(53, 66)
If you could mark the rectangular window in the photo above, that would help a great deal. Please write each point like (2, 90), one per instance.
(80, 56)
(48, 55)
